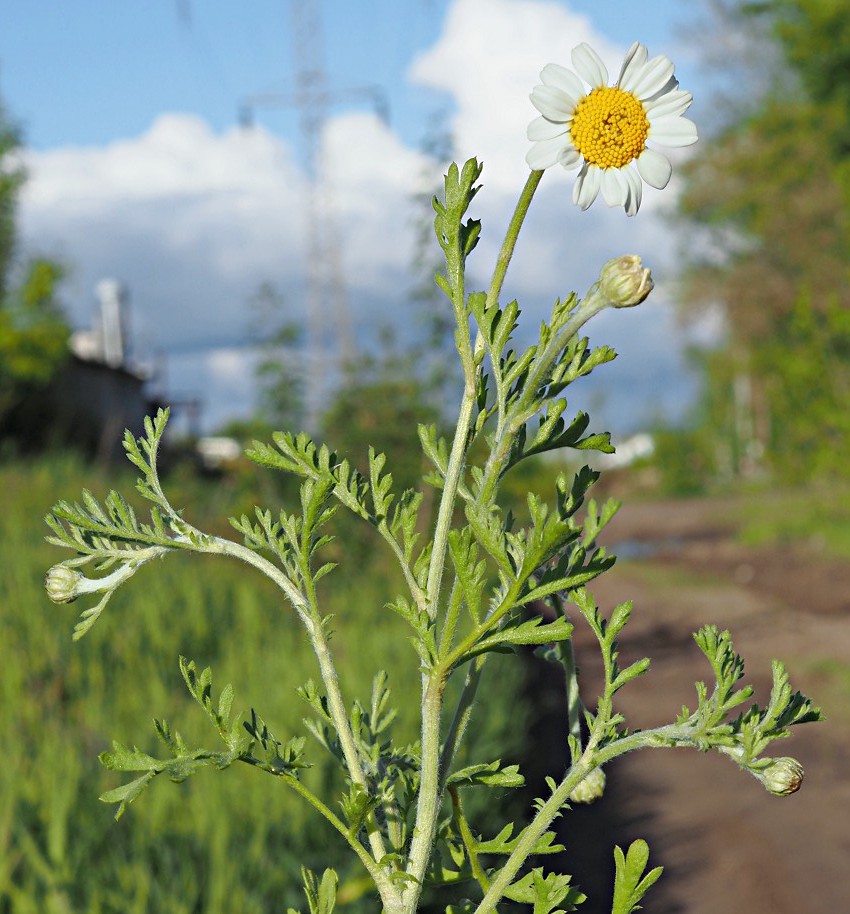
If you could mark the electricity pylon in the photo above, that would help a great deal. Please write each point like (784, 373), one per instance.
(330, 339)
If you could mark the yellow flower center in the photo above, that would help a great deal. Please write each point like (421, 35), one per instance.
(609, 127)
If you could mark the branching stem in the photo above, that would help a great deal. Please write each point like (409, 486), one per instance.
(431, 781)
(468, 840)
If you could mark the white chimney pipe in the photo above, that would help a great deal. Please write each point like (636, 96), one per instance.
(112, 298)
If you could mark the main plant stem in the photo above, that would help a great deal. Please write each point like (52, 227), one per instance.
(430, 793)
(457, 457)
(433, 684)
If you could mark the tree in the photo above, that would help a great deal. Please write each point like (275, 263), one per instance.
(772, 190)
(378, 404)
(33, 331)
(33, 334)
(279, 373)
(11, 178)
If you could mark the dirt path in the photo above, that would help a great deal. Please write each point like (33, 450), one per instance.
(727, 846)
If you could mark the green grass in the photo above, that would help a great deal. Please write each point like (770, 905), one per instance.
(817, 517)
(220, 842)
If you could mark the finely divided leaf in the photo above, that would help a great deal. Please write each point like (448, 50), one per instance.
(630, 884)
(490, 775)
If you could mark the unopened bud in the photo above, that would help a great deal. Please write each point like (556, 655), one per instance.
(590, 789)
(782, 776)
(624, 281)
(62, 584)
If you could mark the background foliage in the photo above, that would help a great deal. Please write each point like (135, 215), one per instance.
(769, 199)
(33, 332)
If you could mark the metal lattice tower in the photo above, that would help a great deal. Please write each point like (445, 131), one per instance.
(330, 341)
(328, 317)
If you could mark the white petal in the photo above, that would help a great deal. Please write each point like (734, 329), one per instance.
(654, 168)
(651, 77)
(558, 77)
(589, 65)
(570, 157)
(552, 103)
(615, 190)
(634, 60)
(635, 194)
(547, 152)
(671, 85)
(587, 185)
(541, 128)
(676, 102)
(673, 131)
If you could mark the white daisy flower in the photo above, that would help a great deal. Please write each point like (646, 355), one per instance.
(606, 129)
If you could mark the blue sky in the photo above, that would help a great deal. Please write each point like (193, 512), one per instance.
(89, 71)
(138, 169)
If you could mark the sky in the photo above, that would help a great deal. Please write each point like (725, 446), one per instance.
(139, 169)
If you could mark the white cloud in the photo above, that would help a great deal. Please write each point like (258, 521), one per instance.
(193, 221)
(373, 176)
(489, 58)
(190, 220)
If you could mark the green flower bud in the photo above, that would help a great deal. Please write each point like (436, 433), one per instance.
(782, 776)
(590, 789)
(63, 584)
(624, 281)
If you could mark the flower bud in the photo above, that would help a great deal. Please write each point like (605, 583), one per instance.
(624, 281)
(62, 584)
(590, 789)
(782, 776)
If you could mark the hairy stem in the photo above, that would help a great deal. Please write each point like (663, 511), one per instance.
(502, 263)
(456, 459)
(454, 470)
(532, 834)
(468, 840)
(431, 786)
(462, 715)
(567, 656)
(574, 704)
(336, 706)
(667, 736)
(377, 874)
(430, 792)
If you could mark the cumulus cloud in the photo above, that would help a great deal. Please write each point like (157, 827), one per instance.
(193, 220)
(488, 58)
(188, 219)
(373, 176)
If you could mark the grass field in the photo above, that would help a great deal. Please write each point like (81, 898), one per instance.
(220, 842)
(817, 517)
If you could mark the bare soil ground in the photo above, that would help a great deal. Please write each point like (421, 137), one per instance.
(728, 847)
